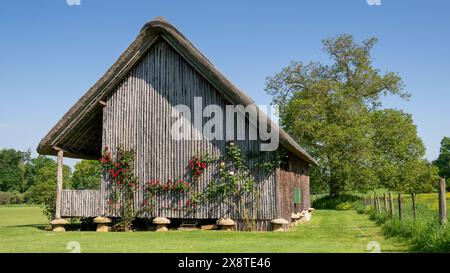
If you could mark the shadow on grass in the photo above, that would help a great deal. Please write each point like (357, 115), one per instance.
(47, 227)
(37, 226)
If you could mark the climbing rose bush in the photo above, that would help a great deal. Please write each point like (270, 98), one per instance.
(153, 187)
(119, 171)
(198, 164)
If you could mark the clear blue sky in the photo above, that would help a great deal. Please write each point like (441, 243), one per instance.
(51, 53)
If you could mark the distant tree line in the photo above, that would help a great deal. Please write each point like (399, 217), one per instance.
(24, 179)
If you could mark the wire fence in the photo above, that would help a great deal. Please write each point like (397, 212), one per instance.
(411, 207)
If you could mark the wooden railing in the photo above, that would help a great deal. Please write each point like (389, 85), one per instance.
(80, 203)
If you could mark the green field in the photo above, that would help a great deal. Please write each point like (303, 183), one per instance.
(329, 231)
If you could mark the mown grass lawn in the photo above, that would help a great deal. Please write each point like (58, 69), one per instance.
(329, 231)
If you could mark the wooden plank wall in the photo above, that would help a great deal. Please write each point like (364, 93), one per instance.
(293, 175)
(80, 203)
(138, 117)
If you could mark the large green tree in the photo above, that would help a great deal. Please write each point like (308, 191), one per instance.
(334, 111)
(87, 175)
(398, 153)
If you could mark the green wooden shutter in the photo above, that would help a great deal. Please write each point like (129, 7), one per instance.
(297, 196)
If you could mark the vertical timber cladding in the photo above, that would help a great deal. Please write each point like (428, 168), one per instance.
(138, 117)
(80, 203)
(293, 175)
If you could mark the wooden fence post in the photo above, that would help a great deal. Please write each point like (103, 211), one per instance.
(391, 205)
(385, 203)
(399, 206)
(442, 202)
(59, 183)
(413, 198)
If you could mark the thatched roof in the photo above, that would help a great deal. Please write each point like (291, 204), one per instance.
(79, 131)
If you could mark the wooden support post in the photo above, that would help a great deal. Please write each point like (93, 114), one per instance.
(385, 203)
(442, 202)
(391, 205)
(101, 200)
(413, 201)
(399, 206)
(59, 183)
